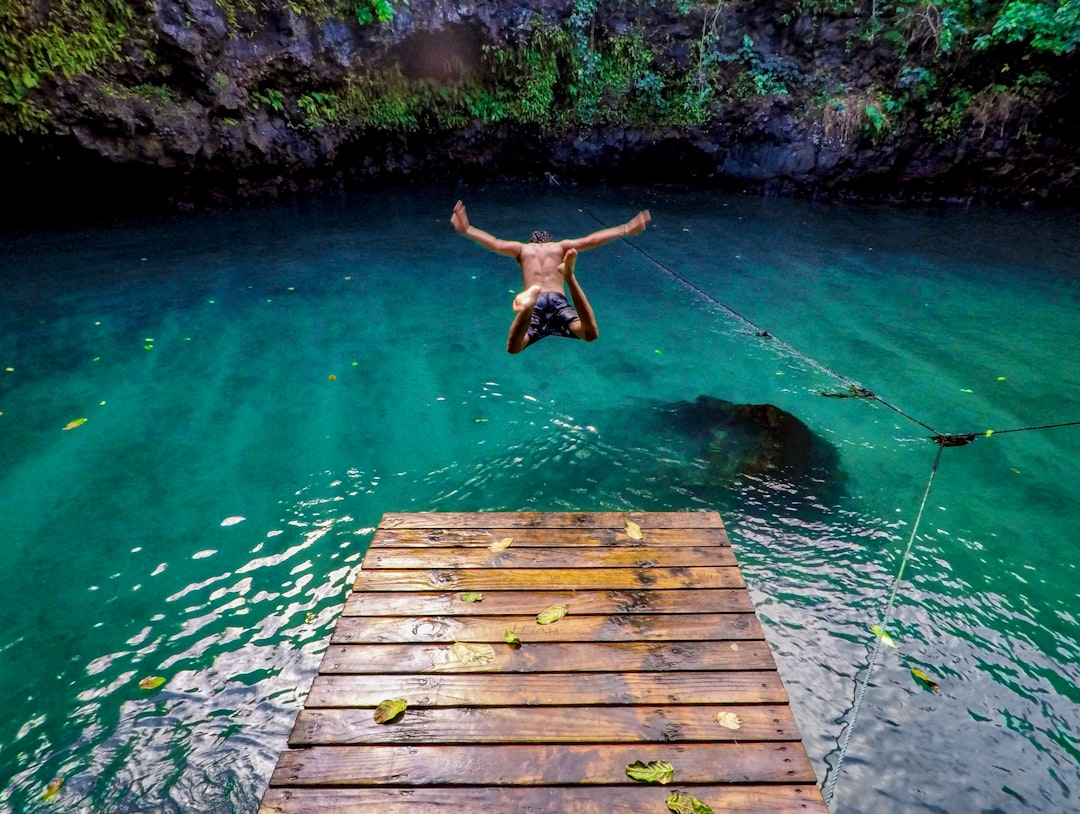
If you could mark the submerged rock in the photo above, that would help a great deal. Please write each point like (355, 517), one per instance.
(731, 439)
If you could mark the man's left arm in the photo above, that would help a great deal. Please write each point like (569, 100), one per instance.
(635, 226)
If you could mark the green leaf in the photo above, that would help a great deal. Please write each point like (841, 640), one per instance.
(151, 682)
(879, 631)
(655, 771)
(685, 804)
(922, 677)
(389, 710)
(551, 614)
(471, 596)
(512, 639)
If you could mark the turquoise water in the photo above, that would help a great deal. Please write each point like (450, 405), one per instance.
(199, 348)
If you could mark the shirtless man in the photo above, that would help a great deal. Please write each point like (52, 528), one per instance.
(547, 271)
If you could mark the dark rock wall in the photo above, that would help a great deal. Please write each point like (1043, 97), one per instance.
(204, 103)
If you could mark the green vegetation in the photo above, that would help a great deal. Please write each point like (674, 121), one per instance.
(370, 11)
(575, 72)
(64, 39)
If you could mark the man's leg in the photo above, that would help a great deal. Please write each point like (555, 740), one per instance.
(519, 328)
(585, 327)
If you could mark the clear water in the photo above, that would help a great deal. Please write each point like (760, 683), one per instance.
(199, 349)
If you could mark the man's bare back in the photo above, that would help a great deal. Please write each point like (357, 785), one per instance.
(547, 270)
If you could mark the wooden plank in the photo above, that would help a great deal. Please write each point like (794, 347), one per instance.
(546, 537)
(449, 579)
(445, 603)
(608, 724)
(571, 628)
(759, 799)
(594, 557)
(546, 689)
(539, 765)
(567, 520)
(582, 657)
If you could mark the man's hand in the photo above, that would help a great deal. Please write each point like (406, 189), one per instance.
(460, 218)
(636, 225)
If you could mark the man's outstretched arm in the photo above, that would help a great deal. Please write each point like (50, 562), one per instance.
(635, 226)
(460, 221)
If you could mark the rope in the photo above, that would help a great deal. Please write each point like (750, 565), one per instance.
(856, 390)
(886, 615)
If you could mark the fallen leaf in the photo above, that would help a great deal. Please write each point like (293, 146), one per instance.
(879, 631)
(685, 804)
(633, 530)
(389, 710)
(655, 771)
(478, 654)
(928, 682)
(551, 614)
(78, 422)
(728, 719)
(471, 596)
(151, 682)
(53, 788)
(501, 545)
(512, 639)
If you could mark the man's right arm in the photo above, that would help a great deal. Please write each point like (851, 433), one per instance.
(460, 221)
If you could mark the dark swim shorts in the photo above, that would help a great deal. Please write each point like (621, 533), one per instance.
(552, 316)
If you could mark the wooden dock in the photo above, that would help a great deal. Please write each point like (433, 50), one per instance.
(658, 638)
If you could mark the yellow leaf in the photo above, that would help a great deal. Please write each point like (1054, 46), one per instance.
(728, 719)
(53, 788)
(880, 632)
(471, 596)
(512, 639)
(78, 422)
(151, 682)
(389, 710)
(925, 679)
(478, 654)
(501, 545)
(551, 614)
(633, 530)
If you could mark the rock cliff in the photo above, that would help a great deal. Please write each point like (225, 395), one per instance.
(196, 99)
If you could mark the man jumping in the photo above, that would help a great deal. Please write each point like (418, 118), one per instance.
(547, 271)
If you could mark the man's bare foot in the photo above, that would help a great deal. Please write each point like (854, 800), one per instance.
(566, 267)
(527, 298)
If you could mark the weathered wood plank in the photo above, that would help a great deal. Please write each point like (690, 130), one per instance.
(581, 657)
(446, 603)
(595, 557)
(608, 724)
(763, 799)
(571, 628)
(546, 537)
(552, 578)
(539, 765)
(546, 689)
(569, 520)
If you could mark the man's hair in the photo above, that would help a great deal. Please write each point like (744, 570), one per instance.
(540, 236)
